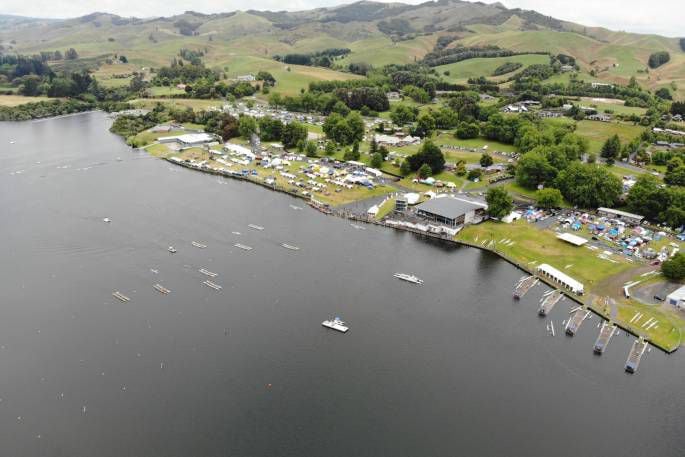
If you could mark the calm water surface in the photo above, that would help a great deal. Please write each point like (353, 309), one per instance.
(451, 368)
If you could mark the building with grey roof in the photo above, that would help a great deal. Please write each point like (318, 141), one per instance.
(451, 211)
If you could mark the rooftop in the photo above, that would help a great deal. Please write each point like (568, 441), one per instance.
(618, 212)
(571, 238)
(678, 294)
(449, 207)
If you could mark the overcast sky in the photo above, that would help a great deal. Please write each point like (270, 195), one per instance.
(664, 17)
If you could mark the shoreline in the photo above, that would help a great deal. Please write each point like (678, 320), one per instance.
(368, 220)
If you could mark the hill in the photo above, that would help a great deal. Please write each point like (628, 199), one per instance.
(376, 33)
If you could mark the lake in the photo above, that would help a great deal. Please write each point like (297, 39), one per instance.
(454, 367)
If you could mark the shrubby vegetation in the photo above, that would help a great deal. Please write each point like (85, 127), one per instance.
(657, 59)
(323, 58)
(506, 67)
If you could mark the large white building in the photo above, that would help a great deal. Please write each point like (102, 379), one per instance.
(189, 139)
(677, 298)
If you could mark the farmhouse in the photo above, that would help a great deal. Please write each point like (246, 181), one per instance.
(451, 211)
(246, 78)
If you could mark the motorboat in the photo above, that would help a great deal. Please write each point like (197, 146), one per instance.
(172, 249)
(409, 278)
(107, 219)
(335, 324)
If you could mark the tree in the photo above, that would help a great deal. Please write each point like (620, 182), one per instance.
(499, 202)
(534, 169)
(663, 93)
(329, 149)
(270, 129)
(589, 186)
(474, 173)
(549, 198)
(247, 126)
(403, 114)
(674, 268)
(373, 147)
(405, 168)
(376, 160)
(676, 176)
(310, 149)
(611, 148)
(293, 133)
(428, 153)
(467, 130)
(425, 125)
(424, 171)
(71, 54)
(266, 77)
(486, 160)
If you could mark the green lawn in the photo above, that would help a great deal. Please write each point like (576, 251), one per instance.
(459, 72)
(598, 132)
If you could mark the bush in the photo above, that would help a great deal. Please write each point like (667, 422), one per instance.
(657, 59)
(674, 268)
(549, 198)
(499, 202)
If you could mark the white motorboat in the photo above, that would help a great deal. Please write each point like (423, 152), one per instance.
(409, 278)
(336, 324)
(198, 245)
(243, 247)
(107, 219)
(290, 246)
(172, 249)
(256, 227)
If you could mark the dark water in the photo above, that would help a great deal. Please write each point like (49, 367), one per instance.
(451, 368)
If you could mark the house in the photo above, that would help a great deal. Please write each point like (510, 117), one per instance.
(566, 68)
(515, 109)
(624, 216)
(677, 298)
(246, 78)
(393, 96)
(451, 211)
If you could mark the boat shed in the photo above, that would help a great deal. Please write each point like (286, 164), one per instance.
(677, 298)
(450, 211)
(572, 239)
(561, 278)
(624, 216)
(189, 139)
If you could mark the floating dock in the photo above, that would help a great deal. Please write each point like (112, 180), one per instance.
(161, 289)
(206, 272)
(256, 227)
(635, 355)
(214, 286)
(243, 246)
(604, 336)
(198, 245)
(524, 285)
(118, 295)
(549, 302)
(575, 320)
(290, 246)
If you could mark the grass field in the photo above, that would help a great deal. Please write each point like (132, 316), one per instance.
(598, 132)
(473, 68)
(617, 106)
(195, 104)
(16, 100)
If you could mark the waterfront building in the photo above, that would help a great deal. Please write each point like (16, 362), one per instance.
(561, 278)
(624, 216)
(189, 139)
(451, 211)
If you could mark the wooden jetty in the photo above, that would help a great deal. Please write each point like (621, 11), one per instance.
(575, 320)
(605, 334)
(198, 245)
(206, 272)
(214, 286)
(524, 285)
(635, 355)
(549, 302)
(161, 289)
(118, 295)
(243, 247)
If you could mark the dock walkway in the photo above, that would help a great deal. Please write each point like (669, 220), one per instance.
(635, 355)
(577, 318)
(605, 334)
(549, 302)
(524, 285)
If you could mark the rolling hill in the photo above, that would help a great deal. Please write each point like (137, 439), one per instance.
(376, 33)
